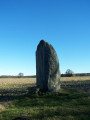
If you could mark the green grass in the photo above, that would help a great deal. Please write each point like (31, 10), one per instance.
(68, 105)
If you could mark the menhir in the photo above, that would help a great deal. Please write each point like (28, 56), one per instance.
(47, 68)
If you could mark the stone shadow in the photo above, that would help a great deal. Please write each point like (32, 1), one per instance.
(12, 93)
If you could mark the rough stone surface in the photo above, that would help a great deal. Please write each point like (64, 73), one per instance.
(47, 68)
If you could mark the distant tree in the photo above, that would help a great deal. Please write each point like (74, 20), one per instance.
(20, 74)
(69, 73)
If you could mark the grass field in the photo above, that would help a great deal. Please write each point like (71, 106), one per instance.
(70, 104)
(15, 82)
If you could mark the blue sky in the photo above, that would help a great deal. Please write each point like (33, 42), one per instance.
(65, 24)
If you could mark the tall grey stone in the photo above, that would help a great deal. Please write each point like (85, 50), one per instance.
(47, 68)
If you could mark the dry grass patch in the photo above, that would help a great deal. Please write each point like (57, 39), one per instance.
(75, 78)
(14, 82)
(22, 82)
(8, 83)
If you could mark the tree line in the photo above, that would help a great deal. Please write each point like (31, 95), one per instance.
(68, 73)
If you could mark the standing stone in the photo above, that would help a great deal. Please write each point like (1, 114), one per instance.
(47, 68)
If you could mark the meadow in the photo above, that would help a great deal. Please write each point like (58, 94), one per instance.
(72, 103)
(15, 82)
